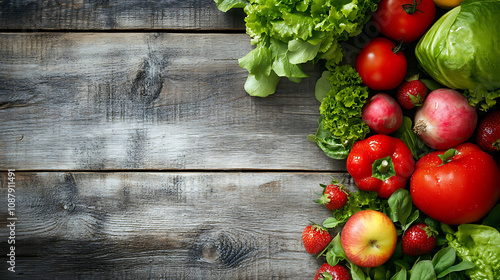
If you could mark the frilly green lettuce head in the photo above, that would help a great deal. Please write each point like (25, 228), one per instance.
(462, 49)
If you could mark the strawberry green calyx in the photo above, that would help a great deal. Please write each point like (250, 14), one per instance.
(496, 144)
(429, 231)
(416, 100)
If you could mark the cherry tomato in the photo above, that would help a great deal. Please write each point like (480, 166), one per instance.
(408, 19)
(380, 65)
(457, 188)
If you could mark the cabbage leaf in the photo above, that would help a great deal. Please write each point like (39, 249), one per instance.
(462, 51)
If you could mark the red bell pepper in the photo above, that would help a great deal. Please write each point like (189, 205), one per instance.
(380, 163)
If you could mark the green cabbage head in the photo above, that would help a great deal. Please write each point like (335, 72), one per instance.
(462, 50)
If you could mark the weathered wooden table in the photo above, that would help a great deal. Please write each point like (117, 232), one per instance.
(137, 153)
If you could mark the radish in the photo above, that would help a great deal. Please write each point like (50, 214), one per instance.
(445, 119)
(382, 114)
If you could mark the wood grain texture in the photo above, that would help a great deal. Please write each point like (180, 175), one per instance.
(120, 101)
(170, 225)
(33, 15)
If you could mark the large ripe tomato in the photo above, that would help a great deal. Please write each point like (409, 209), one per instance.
(380, 65)
(410, 19)
(459, 191)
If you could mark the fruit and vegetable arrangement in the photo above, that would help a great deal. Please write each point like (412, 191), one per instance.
(414, 115)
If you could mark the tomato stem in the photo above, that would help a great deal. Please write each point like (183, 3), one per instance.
(396, 49)
(448, 155)
(412, 8)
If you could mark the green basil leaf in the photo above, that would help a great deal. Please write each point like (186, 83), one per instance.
(412, 218)
(332, 222)
(423, 270)
(464, 265)
(335, 252)
(400, 204)
(356, 272)
(443, 259)
(400, 275)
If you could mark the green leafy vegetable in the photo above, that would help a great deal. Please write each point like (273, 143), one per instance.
(401, 206)
(478, 244)
(288, 33)
(460, 51)
(423, 270)
(329, 144)
(226, 5)
(342, 99)
(360, 200)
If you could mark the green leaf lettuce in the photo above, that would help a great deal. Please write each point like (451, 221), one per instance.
(310, 30)
(480, 245)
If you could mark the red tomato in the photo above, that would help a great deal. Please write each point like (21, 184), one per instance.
(380, 65)
(410, 19)
(460, 191)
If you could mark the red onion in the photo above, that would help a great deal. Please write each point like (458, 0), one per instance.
(445, 119)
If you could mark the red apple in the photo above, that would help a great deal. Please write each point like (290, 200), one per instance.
(369, 238)
(382, 114)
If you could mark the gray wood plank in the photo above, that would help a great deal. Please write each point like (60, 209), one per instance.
(33, 15)
(140, 225)
(115, 101)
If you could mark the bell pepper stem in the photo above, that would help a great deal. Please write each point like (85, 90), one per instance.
(383, 167)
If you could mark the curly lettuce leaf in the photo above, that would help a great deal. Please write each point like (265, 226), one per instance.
(341, 107)
(482, 99)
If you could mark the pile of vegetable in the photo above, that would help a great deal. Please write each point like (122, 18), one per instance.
(419, 148)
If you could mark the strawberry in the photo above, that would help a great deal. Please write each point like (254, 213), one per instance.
(334, 196)
(488, 132)
(328, 272)
(411, 93)
(315, 238)
(417, 240)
